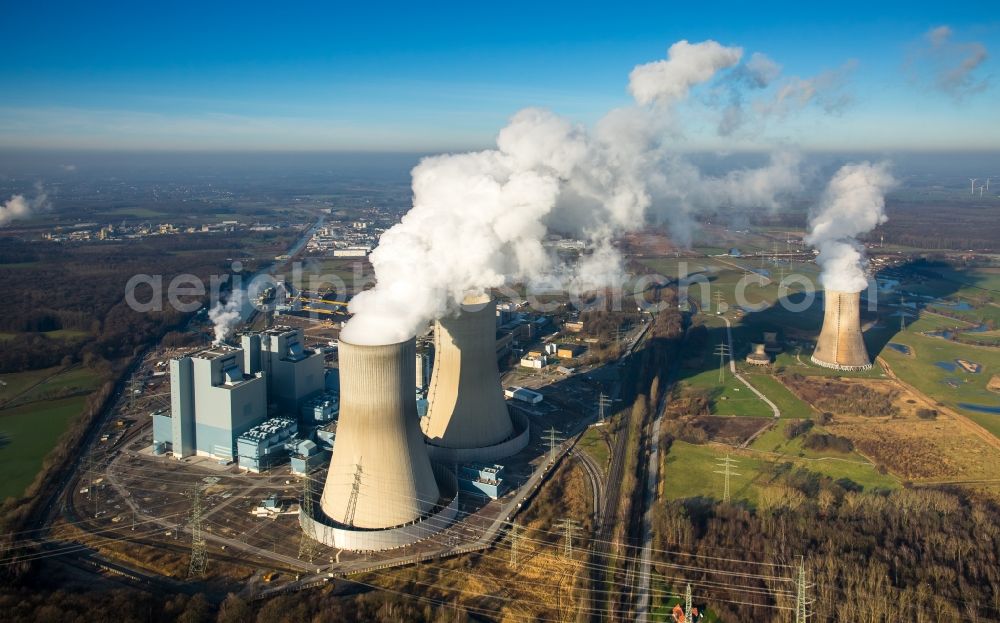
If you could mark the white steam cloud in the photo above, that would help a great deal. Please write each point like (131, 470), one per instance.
(686, 65)
(226, 316)
(19, 207)
(479, 219)
(853, 204)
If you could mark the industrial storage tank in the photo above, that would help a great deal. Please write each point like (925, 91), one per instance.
(381, 490)
(841, 345)
(467, 417)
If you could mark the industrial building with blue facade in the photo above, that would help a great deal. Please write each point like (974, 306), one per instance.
(252, 405)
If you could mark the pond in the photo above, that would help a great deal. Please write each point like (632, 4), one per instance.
(980, 408)
(899, 348)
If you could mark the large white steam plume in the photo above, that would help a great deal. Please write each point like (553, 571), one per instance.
(853, 204)
(478, 219)
(226, 316)
(19, 207)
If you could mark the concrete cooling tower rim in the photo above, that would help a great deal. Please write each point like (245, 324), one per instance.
(837, 366)
(502, 450)
(335, 534)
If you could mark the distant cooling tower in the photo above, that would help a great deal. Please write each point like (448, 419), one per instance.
(381, 490)
(467, 417)
(841, 345)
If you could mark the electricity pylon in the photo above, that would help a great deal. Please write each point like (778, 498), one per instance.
(801, 616)
(308, 549)
(515, 543)
(722, 350)
(569, 527)
(352, 502)
(726, 465)
(602, 402)
(199, 550)
(687, 602)
(554, 440)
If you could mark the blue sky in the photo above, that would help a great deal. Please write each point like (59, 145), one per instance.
(336, 76)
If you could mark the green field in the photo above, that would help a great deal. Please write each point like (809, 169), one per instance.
(730, 397)
(40, 404)
(828, 462)
(790, 405)
(592, 442)
(690, 469)
(15, 383)
(921, 372)
(29, 432)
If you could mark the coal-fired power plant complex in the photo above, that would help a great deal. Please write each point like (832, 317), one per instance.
(467, 417)
(382, 491)
(841, 346)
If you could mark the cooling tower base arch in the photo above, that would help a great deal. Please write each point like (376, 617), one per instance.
(486, 454)
(837, 366)
(335, 534)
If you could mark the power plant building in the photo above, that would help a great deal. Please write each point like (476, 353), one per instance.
(213, 400)
(266, 444)
(381, 491)
(467, 417)
(841, 345)
(294, 374)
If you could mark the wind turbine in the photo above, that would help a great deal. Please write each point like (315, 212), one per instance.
(981, 187)
(988, 184)
(973, 189)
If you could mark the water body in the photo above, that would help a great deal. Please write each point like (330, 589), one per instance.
(959, 306)
(980, 408)
(946, 365)
(899, 348)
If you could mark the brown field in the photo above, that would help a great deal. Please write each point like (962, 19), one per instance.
(922, 451)
(730, 430)
(545, 585)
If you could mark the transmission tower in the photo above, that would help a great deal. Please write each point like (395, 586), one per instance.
(569, 528)
(352, 502)
(902, 312)
(552, 437)
(722, 350)
(199, 551)
(687, 602)
(515, 544)
(308, 549)
(800, 599)
(602, 403)
(718, 301)
(726, 465)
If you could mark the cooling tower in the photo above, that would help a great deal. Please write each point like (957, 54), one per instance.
(381, 490)
(467, 417)
(840, 345)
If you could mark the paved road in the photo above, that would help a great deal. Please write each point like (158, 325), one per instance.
(732, 368)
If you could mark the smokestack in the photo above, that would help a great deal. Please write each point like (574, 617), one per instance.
(841, 345)
(467, 417)
(380, 475)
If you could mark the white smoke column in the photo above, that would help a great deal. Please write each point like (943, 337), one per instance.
(853, 204)
(19, 207)
(226, 316)
(479, 219)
